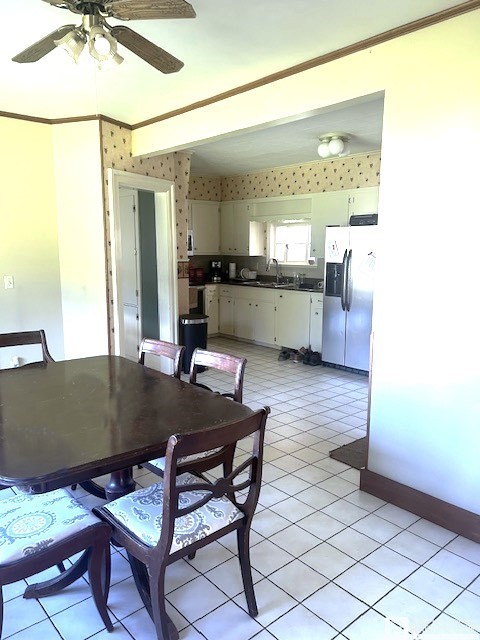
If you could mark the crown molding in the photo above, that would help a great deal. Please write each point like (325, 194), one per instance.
(391, 34)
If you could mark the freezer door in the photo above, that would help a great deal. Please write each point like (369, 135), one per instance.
(334, 314)
(360, 283)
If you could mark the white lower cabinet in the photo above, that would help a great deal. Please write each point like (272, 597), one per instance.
(244, 318)
(292, 319)
(265, 320)
(225, 319)
(254, 315)
(316, 321)
(212, 308)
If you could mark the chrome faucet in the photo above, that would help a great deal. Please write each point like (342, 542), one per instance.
(277, 268)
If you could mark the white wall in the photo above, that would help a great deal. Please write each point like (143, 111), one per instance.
(28, 237)
(426, 356)
(78, 184)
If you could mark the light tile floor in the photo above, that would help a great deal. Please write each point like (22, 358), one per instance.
(329, 560)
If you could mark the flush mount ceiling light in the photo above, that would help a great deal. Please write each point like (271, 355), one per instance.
(333, 145)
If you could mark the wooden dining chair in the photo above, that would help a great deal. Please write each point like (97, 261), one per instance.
(40, 531)
(221, 362)
(174, 517)
(22, 338)
(161, 348)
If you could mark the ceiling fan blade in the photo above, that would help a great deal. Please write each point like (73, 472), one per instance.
(36, 51)
(145, 10)
(71, 5)
(140, 46)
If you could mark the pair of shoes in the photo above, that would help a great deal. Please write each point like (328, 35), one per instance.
(284, 355)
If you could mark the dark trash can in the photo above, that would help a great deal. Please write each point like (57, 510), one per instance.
(193, 334)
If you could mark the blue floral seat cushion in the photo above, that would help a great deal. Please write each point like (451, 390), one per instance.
(30, 523)
(141, 513)
(159, 463)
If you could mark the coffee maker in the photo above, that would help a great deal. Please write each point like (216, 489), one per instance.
(216, 270)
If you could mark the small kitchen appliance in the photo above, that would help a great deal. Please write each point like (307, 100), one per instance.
(216, 270)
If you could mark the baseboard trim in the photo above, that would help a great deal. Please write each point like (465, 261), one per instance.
(446, 515)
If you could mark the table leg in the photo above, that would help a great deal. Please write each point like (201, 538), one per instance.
(49, 587)
(120, 483)
(140, 575)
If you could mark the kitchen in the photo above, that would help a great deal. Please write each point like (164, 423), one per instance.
(234, 232)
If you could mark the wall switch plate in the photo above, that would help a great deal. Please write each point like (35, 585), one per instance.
(8, 282)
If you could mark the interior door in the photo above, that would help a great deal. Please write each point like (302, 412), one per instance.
(130, 285)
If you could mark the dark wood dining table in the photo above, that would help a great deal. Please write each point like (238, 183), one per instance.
(67, 422)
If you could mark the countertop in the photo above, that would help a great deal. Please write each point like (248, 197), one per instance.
(271, 284)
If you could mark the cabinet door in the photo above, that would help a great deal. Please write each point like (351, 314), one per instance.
(292, 319)
(244, 318)
(212, 311)
(316, 323)
(328, 209)
(226, 315)
(206, 227)
(264, 322)
(363, 201)
(226, 228)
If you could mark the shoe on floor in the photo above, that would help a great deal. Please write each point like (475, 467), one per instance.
(306, 356)
(284, 355)
(315, 358)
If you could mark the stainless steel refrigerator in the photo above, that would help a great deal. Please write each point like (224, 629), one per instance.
(348, 295)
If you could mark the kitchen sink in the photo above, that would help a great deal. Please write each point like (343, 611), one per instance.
(269, 285)
(281, 285)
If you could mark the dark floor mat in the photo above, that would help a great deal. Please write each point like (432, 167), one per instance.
(354, 453)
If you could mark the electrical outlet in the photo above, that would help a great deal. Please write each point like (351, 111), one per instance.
(8, 282)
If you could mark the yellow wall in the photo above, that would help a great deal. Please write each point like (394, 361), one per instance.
(28, 237)
(426, 354)
(78, 182)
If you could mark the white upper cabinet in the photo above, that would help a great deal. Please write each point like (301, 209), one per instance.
(240, 234)
(363, 201)
(284, 206)
(328, 209)
(205, 221)
(334, 208)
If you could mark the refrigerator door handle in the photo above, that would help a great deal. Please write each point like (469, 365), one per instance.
(343, 293)
(348, 291)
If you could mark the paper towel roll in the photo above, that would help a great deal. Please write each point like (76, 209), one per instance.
(232, 270)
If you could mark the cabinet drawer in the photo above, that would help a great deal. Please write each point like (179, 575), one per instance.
(254, 293)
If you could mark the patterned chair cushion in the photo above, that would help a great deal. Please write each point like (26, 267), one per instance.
(30, 523)
(141, 513)
(159, 463)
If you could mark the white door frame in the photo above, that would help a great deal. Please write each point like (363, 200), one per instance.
(165, 225)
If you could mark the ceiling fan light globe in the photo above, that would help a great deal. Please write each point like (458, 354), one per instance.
(73, 43)
(105, 65)
(102, 45)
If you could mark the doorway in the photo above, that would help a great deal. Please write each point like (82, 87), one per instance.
(157, 309)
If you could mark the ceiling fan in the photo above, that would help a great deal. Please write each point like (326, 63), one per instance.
(102, 38)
